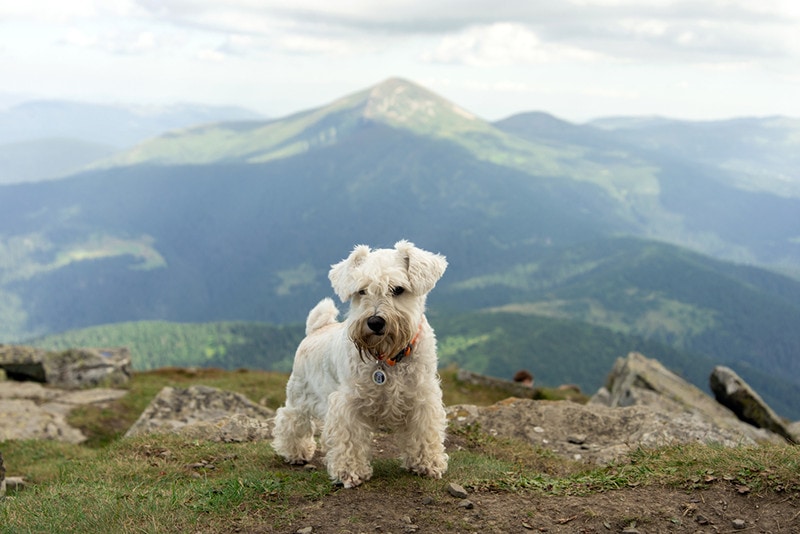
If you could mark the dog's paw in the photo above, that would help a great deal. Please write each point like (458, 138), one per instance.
(352, 479)
(431, 468)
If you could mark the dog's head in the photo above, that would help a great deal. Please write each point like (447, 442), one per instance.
(387, 290)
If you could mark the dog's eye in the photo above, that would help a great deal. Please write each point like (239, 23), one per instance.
(362, 292)
(397, 291)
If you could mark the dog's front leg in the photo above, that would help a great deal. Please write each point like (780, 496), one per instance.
(422, 443)
(348, 440)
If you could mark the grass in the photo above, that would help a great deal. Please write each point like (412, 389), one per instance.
(170, 483)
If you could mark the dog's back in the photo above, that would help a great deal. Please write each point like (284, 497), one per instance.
(322, 314)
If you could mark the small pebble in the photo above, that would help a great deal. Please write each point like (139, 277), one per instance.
(739, 524)
(427, 500)
(577, 439)
(456, 491)
(305, 530)
(15, 483)
(466, 504)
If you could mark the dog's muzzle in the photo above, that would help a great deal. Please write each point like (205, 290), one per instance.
(379, 336)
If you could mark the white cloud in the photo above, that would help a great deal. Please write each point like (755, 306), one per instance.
(126, 42)
(501, 44)
(475, 32)
(67, 10)
(293, 55)
(79, 38)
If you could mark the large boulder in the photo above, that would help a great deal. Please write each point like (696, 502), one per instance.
(593, 433)
(640, 381)
(69, 369)
(734, 393)
(203, 412)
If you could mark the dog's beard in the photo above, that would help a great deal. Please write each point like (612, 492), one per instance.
(395, 338)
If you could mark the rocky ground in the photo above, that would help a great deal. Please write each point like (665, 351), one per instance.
(629, 415)
(719, 506)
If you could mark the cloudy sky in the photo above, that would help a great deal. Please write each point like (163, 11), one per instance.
(577, 59)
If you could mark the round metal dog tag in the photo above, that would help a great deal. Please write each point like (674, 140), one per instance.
(379, 377)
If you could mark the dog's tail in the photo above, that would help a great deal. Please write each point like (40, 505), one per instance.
(322, 314)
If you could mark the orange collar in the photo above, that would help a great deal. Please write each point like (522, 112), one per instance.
(403, 353)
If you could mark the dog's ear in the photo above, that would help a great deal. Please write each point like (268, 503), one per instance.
(341, 274)
(424, 268)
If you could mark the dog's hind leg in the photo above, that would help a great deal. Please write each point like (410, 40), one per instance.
(348, 440)
(294, 435)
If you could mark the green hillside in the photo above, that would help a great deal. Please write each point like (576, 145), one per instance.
(731, 314)
(156, 344)
(254, 242)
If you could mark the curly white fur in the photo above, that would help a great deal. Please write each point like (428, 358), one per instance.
(332, 376)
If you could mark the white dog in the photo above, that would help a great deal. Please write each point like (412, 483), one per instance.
(379, 367)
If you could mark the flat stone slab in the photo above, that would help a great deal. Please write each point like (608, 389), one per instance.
(204, 412)
(594, 433)
(29, 410)
(24, 419)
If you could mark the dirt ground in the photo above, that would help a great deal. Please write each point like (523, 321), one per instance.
(717, 509)
(372, 508)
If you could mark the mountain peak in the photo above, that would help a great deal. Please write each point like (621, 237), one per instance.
(400, 102)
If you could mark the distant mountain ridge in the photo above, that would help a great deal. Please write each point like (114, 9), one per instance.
(240, 221)
(45, 139)
(118, 125)
(762, 154)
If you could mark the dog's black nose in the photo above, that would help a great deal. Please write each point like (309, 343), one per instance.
(376, 324)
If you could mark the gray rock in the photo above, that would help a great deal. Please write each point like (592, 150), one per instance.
(69, 369)
(33, 391)
(235, 428)
(24, 419)
(610, 433)
(456, 490)
(29, 410)
(794, 430)
(204, 412)
(466, 504)
(735, 394)
(640, 381)
(15, 484)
